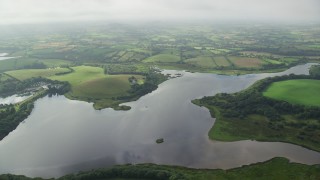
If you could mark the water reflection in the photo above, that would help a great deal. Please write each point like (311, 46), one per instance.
(63, 136)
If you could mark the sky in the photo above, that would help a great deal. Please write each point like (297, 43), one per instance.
(44, 11)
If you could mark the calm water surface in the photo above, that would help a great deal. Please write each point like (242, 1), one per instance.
(63, 136)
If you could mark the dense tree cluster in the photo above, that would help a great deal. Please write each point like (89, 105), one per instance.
(150, 84)
(315, 71)
(130, 171)
(10, 117)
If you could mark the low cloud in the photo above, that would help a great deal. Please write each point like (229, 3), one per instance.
(34, 11)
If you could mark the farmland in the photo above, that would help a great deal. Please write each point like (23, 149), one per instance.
(246, 62)
(107, 56)
(29, 73)
(302, 91)
(29, 63)
(202, 61)
(221, 61)
(163, 58)
(220, 49)
(110, 64)
(92, 85)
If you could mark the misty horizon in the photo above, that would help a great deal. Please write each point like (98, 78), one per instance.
(46, 11)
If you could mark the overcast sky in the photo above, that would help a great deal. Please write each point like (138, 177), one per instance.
(33, 11)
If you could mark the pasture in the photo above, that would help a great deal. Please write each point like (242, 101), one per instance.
(92, 85)
(202, 61)
(246, 62)
(300, 91)
(162, 58)
(21, 63)
(24, 74)
(221, 61)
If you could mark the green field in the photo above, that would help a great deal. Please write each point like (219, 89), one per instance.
(106, 87)
(91, 84)
(202, 61)
(271, 61)
(55, 62)
(300, 91)
(81, 74)
(245, 61)
(289, 60)
(11, 64)
(29, 73)
(20, 63)
(221, 61)
(163, 58)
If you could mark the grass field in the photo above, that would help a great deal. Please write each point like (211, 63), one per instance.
(202, 61)
(81, 74)
(221, 61)
(92, 85)
(29, 73)
(20, 63)
(271, 61)
(246, 62)
(163, 58)
(11, 64)
(106, 87)
(301, 91)
(289, 60)
(55, 62)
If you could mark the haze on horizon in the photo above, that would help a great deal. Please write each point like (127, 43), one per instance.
(46, 11)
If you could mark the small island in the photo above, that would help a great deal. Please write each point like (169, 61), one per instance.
(160, 140)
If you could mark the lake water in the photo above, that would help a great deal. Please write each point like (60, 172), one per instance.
(13, 99)
(63, 136)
